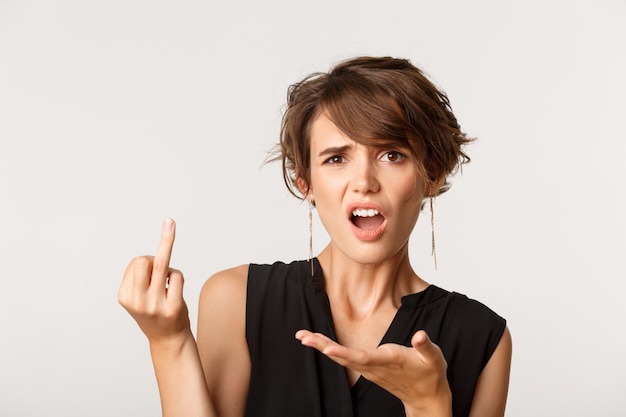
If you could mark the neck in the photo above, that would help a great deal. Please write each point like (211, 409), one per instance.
(365, 288)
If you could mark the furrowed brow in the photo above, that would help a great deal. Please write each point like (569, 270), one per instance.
(334, 150)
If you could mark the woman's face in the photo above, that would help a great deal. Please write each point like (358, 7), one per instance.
(368, 198)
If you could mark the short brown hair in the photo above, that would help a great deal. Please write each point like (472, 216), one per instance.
(374, 101)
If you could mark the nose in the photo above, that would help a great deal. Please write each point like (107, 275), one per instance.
(364, 176)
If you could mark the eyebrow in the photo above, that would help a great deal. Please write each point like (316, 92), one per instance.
(334, 150)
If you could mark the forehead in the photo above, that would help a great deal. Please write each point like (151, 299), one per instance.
(324, 133)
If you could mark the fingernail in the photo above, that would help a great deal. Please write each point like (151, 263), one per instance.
(168, 224)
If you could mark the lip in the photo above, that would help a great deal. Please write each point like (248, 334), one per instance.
(371, 234)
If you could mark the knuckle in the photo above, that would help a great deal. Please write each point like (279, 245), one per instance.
(141, 263)
(122, 298)
(125, 296)
(176, 275)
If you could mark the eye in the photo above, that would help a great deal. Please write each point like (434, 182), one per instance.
(392, 156)
(335, 159)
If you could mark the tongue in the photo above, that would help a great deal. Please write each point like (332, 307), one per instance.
(367, 223)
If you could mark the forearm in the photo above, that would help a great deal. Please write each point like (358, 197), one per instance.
(181, 381)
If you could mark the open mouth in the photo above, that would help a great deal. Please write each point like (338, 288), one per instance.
(367, 219)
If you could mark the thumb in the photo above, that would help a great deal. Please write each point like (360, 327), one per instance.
(425, 347)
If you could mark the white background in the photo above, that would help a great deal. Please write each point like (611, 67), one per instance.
(116, 114)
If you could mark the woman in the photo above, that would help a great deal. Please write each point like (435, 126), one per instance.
(366, 144)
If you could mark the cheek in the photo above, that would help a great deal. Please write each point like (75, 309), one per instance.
(327, 185)
(409, 190)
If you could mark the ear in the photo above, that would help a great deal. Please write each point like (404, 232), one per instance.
(432, 188)
(304, 188)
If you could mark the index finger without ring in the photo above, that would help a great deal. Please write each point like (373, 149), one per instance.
(161, 263)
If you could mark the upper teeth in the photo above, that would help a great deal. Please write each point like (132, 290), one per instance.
(365, 212)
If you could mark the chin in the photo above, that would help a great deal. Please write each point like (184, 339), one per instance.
(369, 255)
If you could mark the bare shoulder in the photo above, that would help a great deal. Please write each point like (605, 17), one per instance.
(223, 299)
(223, 303)
(231, 282)
(222, 339)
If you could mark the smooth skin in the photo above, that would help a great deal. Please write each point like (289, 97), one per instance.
(152, 293)
(215, 381)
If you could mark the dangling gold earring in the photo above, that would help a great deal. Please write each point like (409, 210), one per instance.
(432, 231)
(311, 233)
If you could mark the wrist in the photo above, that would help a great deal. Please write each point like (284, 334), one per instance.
(438, 405)
(172, 344)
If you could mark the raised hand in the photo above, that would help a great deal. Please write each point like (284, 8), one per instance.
(152, 292)
(416, 374)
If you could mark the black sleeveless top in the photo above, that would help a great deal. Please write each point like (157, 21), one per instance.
(292, 380)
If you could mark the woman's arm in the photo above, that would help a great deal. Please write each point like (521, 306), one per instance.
(222, 340)
(152, 293)
(181, 382)
(493, 382)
